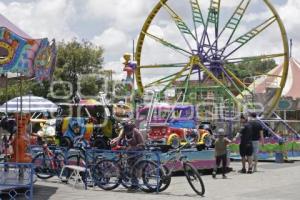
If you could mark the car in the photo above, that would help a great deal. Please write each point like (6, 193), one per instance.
(171, 125)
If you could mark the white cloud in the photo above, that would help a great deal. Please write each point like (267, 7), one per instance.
(42, 18)
(111, 39)
(120, 13)
(114, 23)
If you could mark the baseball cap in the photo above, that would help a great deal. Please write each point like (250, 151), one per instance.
(221, 131)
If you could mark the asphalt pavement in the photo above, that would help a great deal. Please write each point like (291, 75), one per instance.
(272, 181)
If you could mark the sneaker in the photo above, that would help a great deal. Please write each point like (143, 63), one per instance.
(243, 171)
(254, 169)
(214, 174)
(224, 176)
(249, 171)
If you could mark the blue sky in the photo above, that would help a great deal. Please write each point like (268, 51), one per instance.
(113, 24)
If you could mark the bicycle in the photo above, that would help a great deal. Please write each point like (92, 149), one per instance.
(84, 156)
(165, 173)
(48, 163)
(124, 169)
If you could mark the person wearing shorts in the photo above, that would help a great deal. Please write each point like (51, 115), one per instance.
(221, 152)
(246, 148)
(257, 134)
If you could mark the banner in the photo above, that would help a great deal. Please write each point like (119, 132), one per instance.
(30, 57)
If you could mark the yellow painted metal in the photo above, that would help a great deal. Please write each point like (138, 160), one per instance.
(285, 43)
(213, 77)
(140, 43)
(278, 93)
(172, 137)
(235, 78)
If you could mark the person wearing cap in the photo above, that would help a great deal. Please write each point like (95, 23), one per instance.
(131, 136)
(133, 141)
(221, 152)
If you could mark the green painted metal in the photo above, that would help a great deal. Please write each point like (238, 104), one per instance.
(262, 57)
(181, 25)
(187, 81)
(244, 39)
(176, 77)
(163, 80)
(213, 18)
(163, 65)
(168, 44)
(213, 14)
(236, 18)
(196, 12)
(197, 16)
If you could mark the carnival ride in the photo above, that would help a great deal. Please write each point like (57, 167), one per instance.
(196, 55)
(207, 50)
(171, 125)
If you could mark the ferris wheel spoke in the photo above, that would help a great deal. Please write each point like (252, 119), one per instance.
(249, 58)
(214, 78)
(212, 19)
(178, 75)
(234, 21)
(163, 80)
(244, 39)
(181, 25)
(197, 17)
(237, 80)
(170, 45)
(174, 65)
(187, 81)
(231, 79)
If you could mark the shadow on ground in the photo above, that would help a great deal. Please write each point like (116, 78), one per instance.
(41, 192)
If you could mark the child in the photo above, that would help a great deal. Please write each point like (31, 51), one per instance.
(221, 152)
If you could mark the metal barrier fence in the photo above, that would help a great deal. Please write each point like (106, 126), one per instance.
(89, 167)
(125, 167)
(16, 181)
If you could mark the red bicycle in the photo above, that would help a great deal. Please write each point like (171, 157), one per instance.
(48, 162)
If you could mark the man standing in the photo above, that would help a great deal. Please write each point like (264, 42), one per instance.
(246, 148)
(257, 134)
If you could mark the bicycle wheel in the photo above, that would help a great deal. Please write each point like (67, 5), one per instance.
(106, 174)
(192, 176)
(126, 179)
(42, 166)
(152, 176)
(165, 179)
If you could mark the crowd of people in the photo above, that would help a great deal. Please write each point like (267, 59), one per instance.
(250, 134)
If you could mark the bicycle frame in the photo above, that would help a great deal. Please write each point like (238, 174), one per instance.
(173, 160)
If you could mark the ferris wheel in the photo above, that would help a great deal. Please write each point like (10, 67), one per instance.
(191, 43)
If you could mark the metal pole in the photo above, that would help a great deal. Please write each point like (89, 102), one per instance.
(291, 47)
(6, 92)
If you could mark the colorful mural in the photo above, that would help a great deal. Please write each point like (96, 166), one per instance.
(30, 57)
(44, 62)
(289, 148)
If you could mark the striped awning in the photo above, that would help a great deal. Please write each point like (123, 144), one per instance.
(272, 80)
(29, 104)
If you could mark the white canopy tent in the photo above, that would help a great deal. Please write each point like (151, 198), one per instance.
(29, 104)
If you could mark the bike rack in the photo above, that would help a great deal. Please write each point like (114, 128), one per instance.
(16, 179)
(93, 155)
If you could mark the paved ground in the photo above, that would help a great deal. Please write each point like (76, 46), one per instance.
(272, 181)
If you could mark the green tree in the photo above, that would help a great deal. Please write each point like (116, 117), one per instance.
(252, 68)
(74, 59)
(78, 58)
